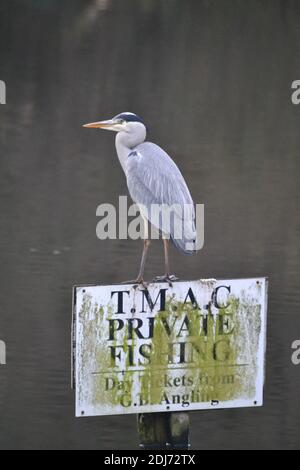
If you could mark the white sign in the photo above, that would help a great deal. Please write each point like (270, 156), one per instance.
(196, 345)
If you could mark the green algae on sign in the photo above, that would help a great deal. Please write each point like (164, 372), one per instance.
(196, 345)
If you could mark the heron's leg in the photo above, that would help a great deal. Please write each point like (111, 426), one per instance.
(167, 277)
(144, 257)
(147, 241)
(167, 257)
(140, 278)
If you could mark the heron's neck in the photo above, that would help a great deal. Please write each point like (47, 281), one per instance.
(123, 151)
(125, 143)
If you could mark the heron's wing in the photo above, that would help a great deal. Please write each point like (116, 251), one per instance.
(154, 179)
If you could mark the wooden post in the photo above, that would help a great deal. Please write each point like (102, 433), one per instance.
(164, 431)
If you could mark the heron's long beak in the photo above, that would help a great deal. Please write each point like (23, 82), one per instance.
(110, 125)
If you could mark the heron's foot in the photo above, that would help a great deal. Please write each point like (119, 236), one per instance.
(208, 282)
(169, 278)
(139, 281)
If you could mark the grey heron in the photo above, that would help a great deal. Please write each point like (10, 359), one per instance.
(153, 179)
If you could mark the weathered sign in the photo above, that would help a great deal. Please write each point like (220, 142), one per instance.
(196, 345)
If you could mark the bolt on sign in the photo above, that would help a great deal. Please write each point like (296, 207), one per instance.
(196, 345)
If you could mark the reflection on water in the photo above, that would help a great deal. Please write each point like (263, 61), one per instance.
(212, 79)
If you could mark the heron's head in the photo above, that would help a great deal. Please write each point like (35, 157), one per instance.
(129, 123)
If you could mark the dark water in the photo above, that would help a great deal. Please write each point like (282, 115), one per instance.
(213, 81)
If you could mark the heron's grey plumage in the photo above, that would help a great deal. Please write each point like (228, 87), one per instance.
(153, 178)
